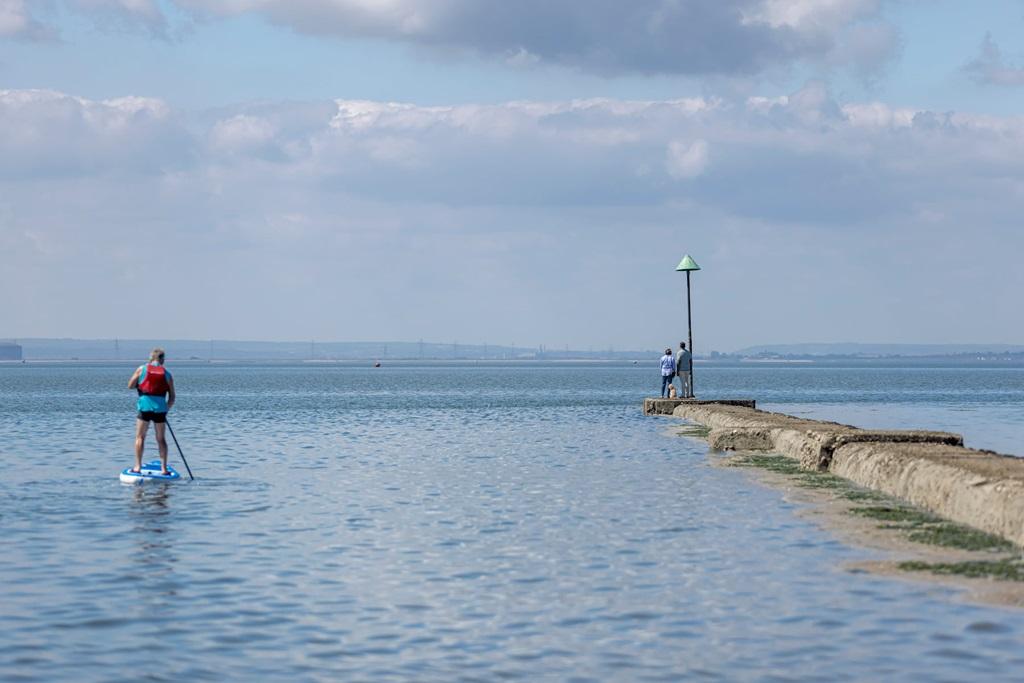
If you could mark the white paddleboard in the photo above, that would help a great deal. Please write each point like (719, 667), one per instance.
(150, 472)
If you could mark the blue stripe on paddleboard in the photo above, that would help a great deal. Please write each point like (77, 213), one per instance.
(151, 470)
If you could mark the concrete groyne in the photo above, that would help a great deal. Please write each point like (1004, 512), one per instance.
(933, 470)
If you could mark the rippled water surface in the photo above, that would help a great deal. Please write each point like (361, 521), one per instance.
(459, 522)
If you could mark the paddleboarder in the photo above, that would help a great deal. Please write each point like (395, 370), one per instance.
(156, 396)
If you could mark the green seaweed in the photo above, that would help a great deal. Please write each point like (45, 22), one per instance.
(1006, 569)
(949, 535)
(809, 479)
(903, 516)
(699, 431)
(920, 526)
(819, 480)
(864, 495)
(924, 527)
(773, 463)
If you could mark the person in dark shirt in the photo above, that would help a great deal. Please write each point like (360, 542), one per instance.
(684, 366)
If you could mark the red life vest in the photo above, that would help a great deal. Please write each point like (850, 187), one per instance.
(155, 381)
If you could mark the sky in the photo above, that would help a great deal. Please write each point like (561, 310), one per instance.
(531, 172)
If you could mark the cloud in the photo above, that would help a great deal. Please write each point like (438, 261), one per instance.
(729, 37)
(609, 37)
(246, 135)
(686, 161)
(48, 134)
(796, 157)
(490, 219)
(14, 18)
(990, 66)
(17, 22)
(125, 14)
(147, 9)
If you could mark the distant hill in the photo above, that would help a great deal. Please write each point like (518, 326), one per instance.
(877, 350)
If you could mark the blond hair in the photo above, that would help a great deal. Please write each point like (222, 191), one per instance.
(157, 354)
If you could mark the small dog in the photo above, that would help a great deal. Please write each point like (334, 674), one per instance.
(671, 390)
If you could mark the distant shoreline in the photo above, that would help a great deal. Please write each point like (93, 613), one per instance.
(641, 363)
(214, 350)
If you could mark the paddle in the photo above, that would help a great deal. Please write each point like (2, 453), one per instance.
(179, 451)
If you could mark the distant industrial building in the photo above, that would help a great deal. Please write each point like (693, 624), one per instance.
(9, 351)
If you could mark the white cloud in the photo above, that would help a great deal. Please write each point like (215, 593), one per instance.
(14, 17)
(813, 104)
(686, 160)
(542, 153)
(764, 105)
(241, 133)
(809, 14)
(880, 115)
(45, 133)
(990, 66)
(16, 21)
(520, 57)
(281, 211)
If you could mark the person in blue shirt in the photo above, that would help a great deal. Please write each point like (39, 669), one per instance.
(156, 396)
(668, 371)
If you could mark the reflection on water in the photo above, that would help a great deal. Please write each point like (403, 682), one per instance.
(498, 524)
(153, 533)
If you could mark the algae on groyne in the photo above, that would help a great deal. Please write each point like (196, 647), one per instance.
(932, 470)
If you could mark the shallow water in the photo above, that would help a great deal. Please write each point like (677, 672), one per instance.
(450, 522)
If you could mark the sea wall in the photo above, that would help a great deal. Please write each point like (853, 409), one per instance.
(932, 470)
(665, 406)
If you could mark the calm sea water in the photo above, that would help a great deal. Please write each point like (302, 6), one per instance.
(460, 523)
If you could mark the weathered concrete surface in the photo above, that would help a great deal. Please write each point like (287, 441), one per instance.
(930, 469)
(982, 489)
(812, 442)
(665, 406)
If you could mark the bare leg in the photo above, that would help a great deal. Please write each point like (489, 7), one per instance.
(141, 427)
(161, 442)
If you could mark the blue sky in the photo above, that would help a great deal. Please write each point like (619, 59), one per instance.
(844, 170)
